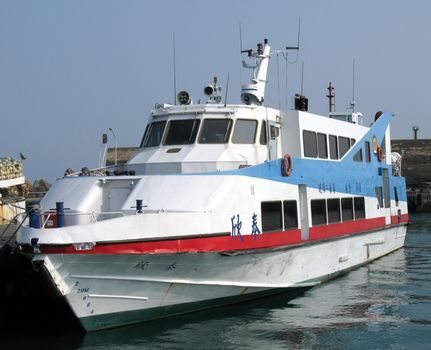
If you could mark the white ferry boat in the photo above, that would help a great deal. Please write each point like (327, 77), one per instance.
(221, 203)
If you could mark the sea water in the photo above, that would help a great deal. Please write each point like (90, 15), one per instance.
(384, 305)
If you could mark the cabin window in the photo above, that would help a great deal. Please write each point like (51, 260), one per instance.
(358, 156)
(396, 196)
(322, 145)
(379, 195)
(334, 210)
(275, 132)
(344, 145)
(155, 134)
(263, 135)
(333, 147)
(386, 188)
(367, 152)
(215, 131)
(310, 144)
(352, 142)
(244, 131)
(347, 209)
(318, 212)
(181, 132)
(359, 207)
(290, 215)
(271, 216)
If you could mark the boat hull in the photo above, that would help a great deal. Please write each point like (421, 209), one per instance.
(109, 290)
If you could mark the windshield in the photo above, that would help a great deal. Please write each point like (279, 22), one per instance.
(181, 132)
(215, 131)
(155, 134)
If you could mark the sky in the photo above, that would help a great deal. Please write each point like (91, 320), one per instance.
(70, 70)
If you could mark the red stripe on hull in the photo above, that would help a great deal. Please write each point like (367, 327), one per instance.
(403, 218)
(344, 228)
(226, 243)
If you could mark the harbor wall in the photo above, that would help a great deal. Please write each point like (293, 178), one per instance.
(416, 161)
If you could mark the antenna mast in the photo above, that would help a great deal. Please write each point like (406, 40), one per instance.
(353, 103)
(175, 70)
(227, 89)
(254, 92)
(331, 98)
(302, 79)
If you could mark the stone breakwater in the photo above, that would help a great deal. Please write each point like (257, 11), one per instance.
(10, 168)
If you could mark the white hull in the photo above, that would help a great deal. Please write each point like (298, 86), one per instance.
(112, 290)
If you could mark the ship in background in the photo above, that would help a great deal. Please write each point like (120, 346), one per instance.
(222, 203)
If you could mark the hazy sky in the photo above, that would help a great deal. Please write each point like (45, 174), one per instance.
(70, 70)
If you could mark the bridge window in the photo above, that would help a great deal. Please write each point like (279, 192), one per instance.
(215, 131)
(310, 144)
(155, 134)
(244, 131)
(145, 135)
(263, 134)
(181, 132)
(271, 216)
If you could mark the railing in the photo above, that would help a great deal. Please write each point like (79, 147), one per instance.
(94, 216)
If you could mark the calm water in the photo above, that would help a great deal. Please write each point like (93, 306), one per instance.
(385, 305)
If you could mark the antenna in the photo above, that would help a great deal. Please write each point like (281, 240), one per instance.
(175, 70)
(299, 30)
(299, 33)
(302, 79)
(331, 98)
(240, 38)
(227, 89)
(353, 103)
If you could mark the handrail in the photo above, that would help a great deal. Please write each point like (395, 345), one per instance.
(93, 215)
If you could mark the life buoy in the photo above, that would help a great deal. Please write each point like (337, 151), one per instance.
(380, 153)
(286, 165)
